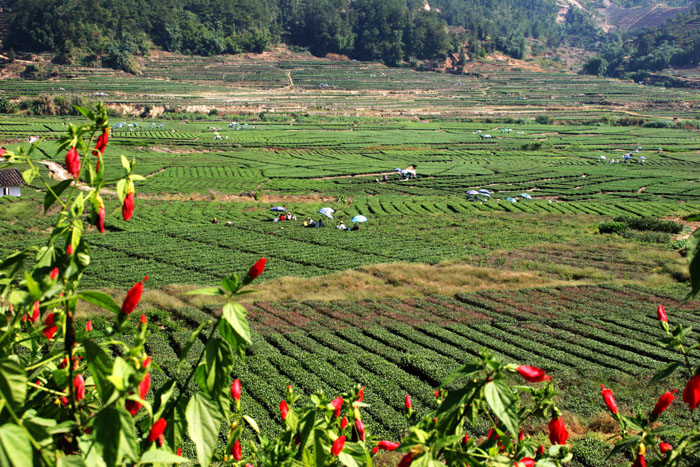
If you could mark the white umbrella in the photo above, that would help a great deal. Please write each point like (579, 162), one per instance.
(328, 212)
(359, 219)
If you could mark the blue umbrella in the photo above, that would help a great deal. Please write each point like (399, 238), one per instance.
(359, 219)
(488, 195)
(485, 191)
(278, 208)
(525, 195)
(473, 192)
(511, 200)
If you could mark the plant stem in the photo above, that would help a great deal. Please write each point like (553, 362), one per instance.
(167, 412)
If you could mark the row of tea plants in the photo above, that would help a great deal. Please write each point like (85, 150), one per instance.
(72, 401)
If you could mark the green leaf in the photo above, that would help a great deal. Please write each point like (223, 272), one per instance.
(13, 382)
(692, 248)
(631, 442)
(231, 283)
(322, 447)
(161, 456)
(57, 189)
(70, 461)
(665, 371)
(121, 190)
(186, 349)
(12, 263)
(19, 297)
(16, 445)
(203, 423)
(502, 402)
(463, 372)
(253, 424)
(115, 436)
(120, 374)
(347, 460)
(100, 365)
(306, 429)
(125, 163)
(76, 233)
(100, 299)
(78, 206)
(38, 427)
(32, 285)
(666, 430)
(234, 327)
(206, 291)
(175, 429)
(137, 177)
(86, 112)
(29, 174)
(354, 454)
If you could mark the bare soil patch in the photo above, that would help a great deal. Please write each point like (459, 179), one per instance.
(239, 198)
(683, 235)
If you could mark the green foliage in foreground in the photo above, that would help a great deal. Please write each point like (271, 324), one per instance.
(76, 399)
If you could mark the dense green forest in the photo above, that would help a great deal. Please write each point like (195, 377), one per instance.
(676, 43)
(392, 31)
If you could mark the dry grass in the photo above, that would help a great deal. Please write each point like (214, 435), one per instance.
(377, 281)
(398, 280)
(402, 280)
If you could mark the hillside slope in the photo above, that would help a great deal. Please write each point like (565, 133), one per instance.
(649, 15)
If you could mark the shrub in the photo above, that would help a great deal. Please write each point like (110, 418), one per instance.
(591, 452)
(650, 223)
(612, 227)
(648, 236)
(7, 106)
(32, 71)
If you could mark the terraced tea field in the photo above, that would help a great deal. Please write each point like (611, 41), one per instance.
(385, 306)
(399, 346)
(286, 82)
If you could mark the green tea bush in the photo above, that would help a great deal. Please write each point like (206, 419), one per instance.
(590, 452)
(613, 227)
(650, 223)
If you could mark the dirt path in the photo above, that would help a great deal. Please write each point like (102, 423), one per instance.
(58, 172)
(373, 174)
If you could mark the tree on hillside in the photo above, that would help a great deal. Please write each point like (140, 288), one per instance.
(379, 26)
(323, 26)
(426, 36)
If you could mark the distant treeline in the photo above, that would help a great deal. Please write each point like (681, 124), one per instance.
(392, 31)
(676, 43)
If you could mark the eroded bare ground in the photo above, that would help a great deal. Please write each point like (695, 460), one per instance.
(691, 226)
(229, 198)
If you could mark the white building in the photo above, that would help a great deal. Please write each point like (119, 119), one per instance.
(10, 182)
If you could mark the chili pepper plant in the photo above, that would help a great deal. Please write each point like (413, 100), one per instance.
(70, 398)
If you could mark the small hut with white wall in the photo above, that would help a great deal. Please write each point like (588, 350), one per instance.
(10, 182)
